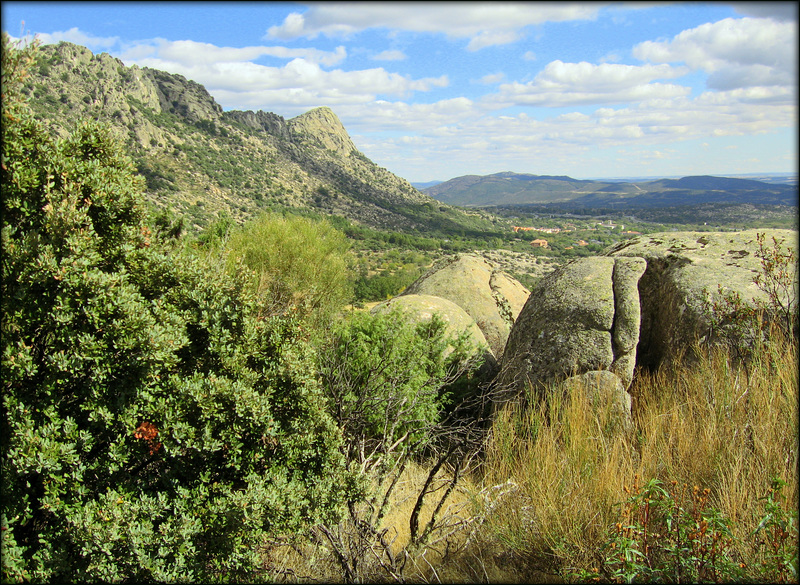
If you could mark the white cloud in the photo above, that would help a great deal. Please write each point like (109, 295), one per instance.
(453, 132)
(237, 82)
(490, 38)
(492, 78)
(189, 53)
(584, 76)
(420, 119)
(74, 35)
(737, 53)
(392, 55)
(561, 84)
(485, 24)
(529, 56)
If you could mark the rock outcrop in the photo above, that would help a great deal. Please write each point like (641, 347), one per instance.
(491, 297)
(639, 304)
(683, 268)
(262, 122)
(324, 127)
(583, 317)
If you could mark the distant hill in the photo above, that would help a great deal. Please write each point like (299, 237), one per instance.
(510, 188)
(525, 189)
(425, 185)
(201, 162)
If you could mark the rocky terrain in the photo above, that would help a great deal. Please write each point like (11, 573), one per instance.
(594, 320)
(201, 162)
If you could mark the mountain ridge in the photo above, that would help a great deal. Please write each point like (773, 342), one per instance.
(205, 163)
(507, 188)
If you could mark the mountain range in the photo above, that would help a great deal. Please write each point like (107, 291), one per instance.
(202, 163)
(526, 189)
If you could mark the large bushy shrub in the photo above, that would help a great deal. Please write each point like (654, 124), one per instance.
(299, 262)
(388, 379)
(156, 425)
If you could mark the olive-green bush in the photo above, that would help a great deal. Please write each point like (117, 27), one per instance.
(387, 381)
(300, 263)
(156, 426)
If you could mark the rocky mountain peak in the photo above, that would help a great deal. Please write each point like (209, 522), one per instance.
(184, 97)
(200, 161)
(324, 127)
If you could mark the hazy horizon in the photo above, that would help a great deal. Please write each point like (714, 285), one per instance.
(627, 177)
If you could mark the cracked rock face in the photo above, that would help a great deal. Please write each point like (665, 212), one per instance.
(683, 268)
(637, 305)
(491, 297)
(583, 317)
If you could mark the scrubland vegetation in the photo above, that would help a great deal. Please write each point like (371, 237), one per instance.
(180, 409)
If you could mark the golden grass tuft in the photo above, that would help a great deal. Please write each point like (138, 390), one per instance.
(718, 424)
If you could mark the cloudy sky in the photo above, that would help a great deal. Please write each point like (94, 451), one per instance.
(433, 91)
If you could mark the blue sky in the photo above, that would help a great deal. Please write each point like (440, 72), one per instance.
(437, 90)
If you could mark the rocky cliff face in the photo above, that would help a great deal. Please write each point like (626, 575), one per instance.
(200, 161)
(322, 127)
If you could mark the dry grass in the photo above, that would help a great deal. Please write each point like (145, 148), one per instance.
(718, 425)
(554, 476)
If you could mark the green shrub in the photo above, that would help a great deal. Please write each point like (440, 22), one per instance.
(301, 263)
(669, 533)
(387, 383)
(384, 285)
(156, 426)
(385, 379)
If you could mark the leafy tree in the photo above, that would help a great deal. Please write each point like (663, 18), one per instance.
(155, 425)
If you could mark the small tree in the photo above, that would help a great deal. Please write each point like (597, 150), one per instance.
(387, 383)
(156, 426)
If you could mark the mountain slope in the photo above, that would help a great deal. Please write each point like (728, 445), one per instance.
(526, 189)
(200, 161)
